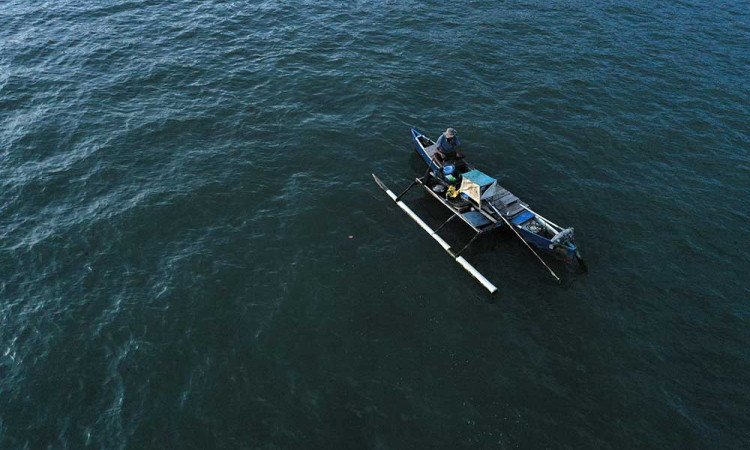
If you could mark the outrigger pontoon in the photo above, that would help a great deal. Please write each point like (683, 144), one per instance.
(482, 204)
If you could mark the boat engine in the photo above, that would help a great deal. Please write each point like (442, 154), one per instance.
(566, 234)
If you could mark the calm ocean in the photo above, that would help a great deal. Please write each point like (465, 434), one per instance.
(193, 254)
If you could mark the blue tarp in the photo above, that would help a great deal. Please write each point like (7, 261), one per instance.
(479, 178)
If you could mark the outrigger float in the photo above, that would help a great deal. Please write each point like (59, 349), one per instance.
(482, 204)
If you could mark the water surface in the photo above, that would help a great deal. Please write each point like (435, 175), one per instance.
(180, 182)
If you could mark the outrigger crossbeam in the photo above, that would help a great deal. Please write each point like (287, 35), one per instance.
(473, 238)
(433, 233)
(445, 223)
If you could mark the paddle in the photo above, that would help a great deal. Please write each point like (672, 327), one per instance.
(429, 168)
(524, 242)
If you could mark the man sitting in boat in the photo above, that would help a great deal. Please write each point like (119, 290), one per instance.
(448, 146)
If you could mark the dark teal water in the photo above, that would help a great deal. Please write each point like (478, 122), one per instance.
(179, 181)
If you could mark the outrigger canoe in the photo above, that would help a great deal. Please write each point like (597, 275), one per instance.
(483, 204)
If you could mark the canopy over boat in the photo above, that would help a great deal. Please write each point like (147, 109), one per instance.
(479, 186)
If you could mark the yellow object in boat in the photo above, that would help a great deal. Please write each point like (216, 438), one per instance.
(452, 192)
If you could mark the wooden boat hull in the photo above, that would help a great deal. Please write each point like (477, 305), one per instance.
(522, 219)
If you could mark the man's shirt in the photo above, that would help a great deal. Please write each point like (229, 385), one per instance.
(445, 146)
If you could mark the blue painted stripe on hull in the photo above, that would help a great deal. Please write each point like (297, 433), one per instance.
(415, 134)
(542, 243)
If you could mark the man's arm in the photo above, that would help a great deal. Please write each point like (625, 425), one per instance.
(440, 142)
